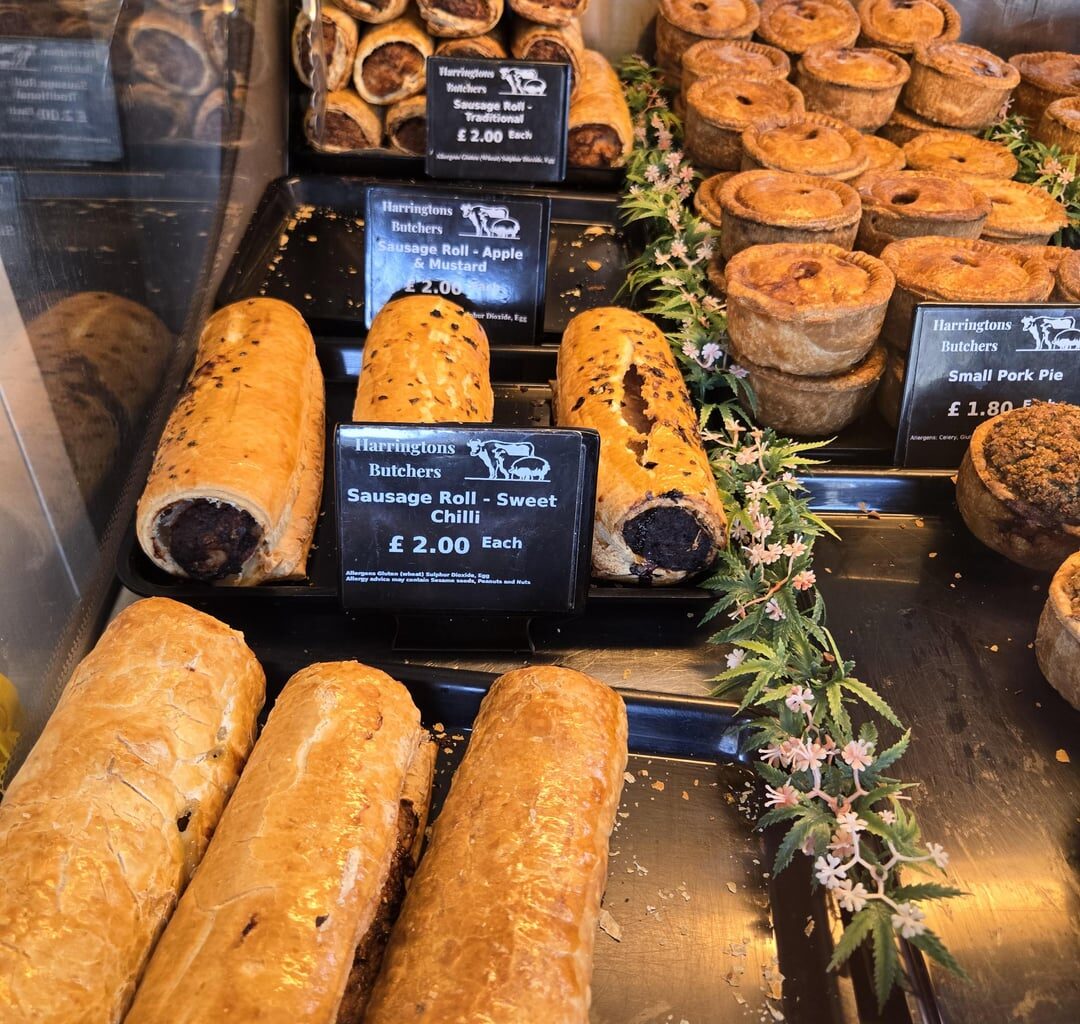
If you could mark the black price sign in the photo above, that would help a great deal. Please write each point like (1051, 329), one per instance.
(968, 363)
(57, 100)
(497, 120)
(487, 252)
(469, 519)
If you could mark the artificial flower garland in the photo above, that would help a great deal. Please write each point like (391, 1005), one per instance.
(824, 776)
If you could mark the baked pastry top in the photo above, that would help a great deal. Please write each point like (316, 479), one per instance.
(737, 103)
(923, 193)
(717, 19)
(707, 198)
(963, 60)
(1068, 275)
(863, 68)
(790, 200)
(1035, 453)
(1053, 70)
(809, 277)
(796, 25)
(960, 154)
(1020, 210)
(901, 25)
(967, 270)
(735, 58)
(812, 144)
(884, 155)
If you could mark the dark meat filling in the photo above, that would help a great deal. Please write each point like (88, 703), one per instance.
(463, 8)
(387, 67)
(342, 131)
(553, 51)
(176, 62)
(671, 538)
(369, 953)
(155, 119)
(411, 135)
(211, 126)
(593, 145)
(210, 541)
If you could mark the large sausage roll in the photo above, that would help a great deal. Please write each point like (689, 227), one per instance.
(559, 44)
(340, 38)
(549, 12)
(349, 123)
(233, 493)
(406, 126)
(170, 51)
(453, 18)
(486, 47)
(391, 61)
(500, 920)
(425, 361)
(374, 12)
(288, 915)
(106, 820)
(659, 516)
(600, 132)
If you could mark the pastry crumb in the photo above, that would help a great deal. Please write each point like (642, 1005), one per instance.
(610, 926)
(1062, 756)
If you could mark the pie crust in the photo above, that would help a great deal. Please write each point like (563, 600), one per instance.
(957, 153)
(1057, 640)
(936, 269)
(890, 392)
(1044, 77)
(814, 406)
(1022, 214)
(811, 144)
(707, 198)
(911, 204)
(682, 23)
(1018, 488)
(766, 207)
(796, 25)
(884, 156)
(715, 276)
(901, 25)
(733, 58)
(720, 109)
(860, 87)
(904, 125)
(959, 85)
(809, 310)
(1052, 256)
(1067, 284)
(1060, 125)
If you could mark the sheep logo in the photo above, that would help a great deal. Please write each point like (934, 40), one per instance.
(510, 460)
(1052, 333)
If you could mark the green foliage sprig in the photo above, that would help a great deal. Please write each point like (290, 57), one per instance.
(826, 774)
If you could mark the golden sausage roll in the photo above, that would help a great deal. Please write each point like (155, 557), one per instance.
(391, 61)
(106, 820)
(500, 921)
(234, 490)
(349, 123)
(659, 517)
(549, 12)
(375, 12)
(340, 38)
(559, 44)
(486, 47)
(425, 361)
(288, 915)
(600, 131)
(455, 18)
(170, 51)
(406, 126)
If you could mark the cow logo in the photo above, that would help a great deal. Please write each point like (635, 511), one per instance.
(15, 56)
(1052, 333)
(509, 460)
(523, 82)
(489, 221)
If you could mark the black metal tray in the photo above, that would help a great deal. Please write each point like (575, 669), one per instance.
(706, 932)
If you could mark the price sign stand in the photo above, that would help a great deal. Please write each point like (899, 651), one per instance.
(969, 363)
(465, 532)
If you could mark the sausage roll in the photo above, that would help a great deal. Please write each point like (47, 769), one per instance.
(229, 36)
(375, 12)
(211, 122)
(349, 123)
(549, 12)
(559, 44)
(425, 361)
(659, 517)
(233, 493)
(170, 51)
(486, 47)
(500, 921)
(406, 126)
(391, 61)
(154, 114)
(340, 38)
(454, 18)
(308, 866)
(601, 133)
(106, 820)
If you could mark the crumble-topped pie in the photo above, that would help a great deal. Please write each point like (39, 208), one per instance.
(766, 207)
(811, 144)
(810, 310)
(958, 153)
(901, 25)
(959, 85)
(1018, 488)
(911, 204)
(860, 87)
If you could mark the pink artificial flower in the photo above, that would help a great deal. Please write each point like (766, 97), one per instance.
(795, 548)
(678, 249)
(771, 755)
(736, 657)
(938, 855)
(774, 611)
(888, 817)
(738, 371)
(746, 456)
(799, 698)
(690, 350)
(843, 843)
(804, 580)
(908, 920)
(850, 822)
(786, 796)
(857, 755)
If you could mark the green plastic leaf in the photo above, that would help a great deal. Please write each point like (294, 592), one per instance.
(853, 937)
(889, 757)
(838, 712)
(926, 891)
(933, 947)
(886, 955)
(871, 699)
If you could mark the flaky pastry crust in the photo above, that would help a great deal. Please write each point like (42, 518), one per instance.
(340, 38)
(599, 130)
(1057, 640)
(443, 22)
(860, 87)
(1022, 214)
(809, 144)
(901, 25)
(959, 85)
(957, 153)
(682, 23)
(404, 38)
(1045, 76)
(797, 25)
(735, 58)
(1060, 125)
